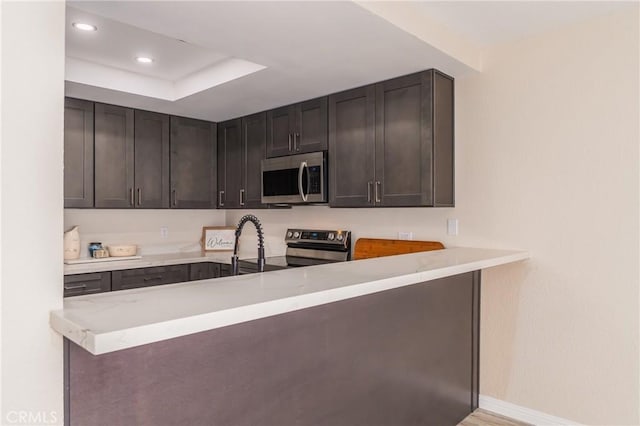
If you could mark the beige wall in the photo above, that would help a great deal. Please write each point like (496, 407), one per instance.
(547, 160)
(31, 218)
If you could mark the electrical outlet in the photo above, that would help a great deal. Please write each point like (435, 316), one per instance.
(452, 226)
(164, 232)
(405, 235)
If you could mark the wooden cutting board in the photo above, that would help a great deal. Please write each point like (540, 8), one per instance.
(375, 247)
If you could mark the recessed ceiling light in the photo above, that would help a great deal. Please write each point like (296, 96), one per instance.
(144, 59)
(84, 27)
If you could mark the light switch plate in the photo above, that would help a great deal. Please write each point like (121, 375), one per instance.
(452, 226)
(164, 232)
(405, 235)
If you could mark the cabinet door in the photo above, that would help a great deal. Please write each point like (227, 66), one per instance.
(147, 277)
(403, 141)
(254, 134)
(351, 147)
(443, 143)
(193, 164)
(81, 284)
(311, 130)
(78, 153)
(204, 271)
(280, 129)
(225, 270)
(151, 160)
(113, 157)
(230, 161)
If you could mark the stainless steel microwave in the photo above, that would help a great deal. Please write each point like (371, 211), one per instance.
(295, 179)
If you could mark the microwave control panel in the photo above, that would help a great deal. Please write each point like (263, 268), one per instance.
(315, 180)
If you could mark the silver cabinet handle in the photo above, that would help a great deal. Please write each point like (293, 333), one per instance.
(159, 277)
(242, 197)
(290, 135)
(369, 191)
(76, 287)
(175, 197)
(296, 141)
(131, 200)
(300, 170)
(139, 196)
(220, 199)
(378, 190)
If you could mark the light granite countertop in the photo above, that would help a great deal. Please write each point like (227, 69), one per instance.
(108, 322)
(149, 261)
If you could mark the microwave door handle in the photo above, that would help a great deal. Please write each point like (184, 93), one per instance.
(300, 188)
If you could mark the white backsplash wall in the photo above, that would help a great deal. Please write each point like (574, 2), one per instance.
(142, 227)
(425, 224)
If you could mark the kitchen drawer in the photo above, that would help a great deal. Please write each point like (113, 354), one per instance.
(77, 285)
(146, 277)
(225, 270)
(203, 271)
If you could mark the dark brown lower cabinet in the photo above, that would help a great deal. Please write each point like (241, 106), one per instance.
(204, 271)
(81, 284)
(146, 277)
(225, 270)
(406, 356)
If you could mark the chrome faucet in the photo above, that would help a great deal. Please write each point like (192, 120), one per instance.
(234, 259)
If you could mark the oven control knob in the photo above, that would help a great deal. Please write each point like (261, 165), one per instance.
(340, 237)
(289, 234)
(331, 236)
(296, 234)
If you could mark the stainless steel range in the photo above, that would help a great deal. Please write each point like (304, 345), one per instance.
(306, 247)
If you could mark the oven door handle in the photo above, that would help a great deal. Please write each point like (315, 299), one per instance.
(303, 165)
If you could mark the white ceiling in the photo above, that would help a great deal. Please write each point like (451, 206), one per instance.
(495, 22)
(117, 44)
(308, 49)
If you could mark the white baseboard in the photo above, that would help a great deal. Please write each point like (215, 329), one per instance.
(522, 414)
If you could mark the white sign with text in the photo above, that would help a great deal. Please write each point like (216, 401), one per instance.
(218, 238)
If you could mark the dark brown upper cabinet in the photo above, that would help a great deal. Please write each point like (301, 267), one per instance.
(78, 153)
(241, 149)
(391, 144)
(229, 164)
(254, 135)
(298, 128)
(151, 172)
(114, 157)
(132, 158)
(352, 147)
(193, 164)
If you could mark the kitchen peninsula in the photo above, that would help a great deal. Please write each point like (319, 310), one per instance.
(377, 341)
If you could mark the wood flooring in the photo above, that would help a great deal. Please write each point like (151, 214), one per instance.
(485, 418)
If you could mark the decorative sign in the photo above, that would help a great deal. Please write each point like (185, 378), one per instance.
(218, 238)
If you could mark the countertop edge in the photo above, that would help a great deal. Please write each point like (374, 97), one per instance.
(111, 341)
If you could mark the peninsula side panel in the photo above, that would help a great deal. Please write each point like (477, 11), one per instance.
(405, 356)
